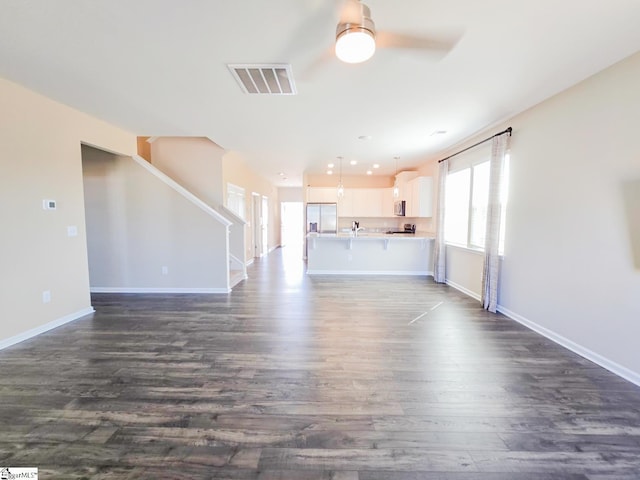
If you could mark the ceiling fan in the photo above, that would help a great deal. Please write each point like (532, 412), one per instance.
(357, 38)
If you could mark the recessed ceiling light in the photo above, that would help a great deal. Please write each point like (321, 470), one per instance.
(329, 172)
(376, 165)
(439, 132)
(365, 137)
(331, 165)
(353, 162)
(369, 172)
(281, 174)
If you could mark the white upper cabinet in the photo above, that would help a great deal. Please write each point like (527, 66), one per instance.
(403, 180)
(345, 204)
(387, 202)
(420, 197)
(377, 202)
(363, 202)
(322, 195)
(367, 202)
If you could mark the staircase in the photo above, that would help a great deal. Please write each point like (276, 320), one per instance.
(194, 164)
(237, 271)
(237, 266)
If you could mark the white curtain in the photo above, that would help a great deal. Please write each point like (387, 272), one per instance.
(439, 251)
(491, 270)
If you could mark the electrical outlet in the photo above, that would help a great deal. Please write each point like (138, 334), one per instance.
(165, 270)
(46, 296)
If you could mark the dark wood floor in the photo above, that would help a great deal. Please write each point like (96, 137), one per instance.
(295, 377)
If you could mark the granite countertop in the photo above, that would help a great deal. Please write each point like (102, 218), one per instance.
(363, 235)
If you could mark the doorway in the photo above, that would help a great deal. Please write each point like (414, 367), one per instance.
(292, 224)
(292, 232)
(260, 223)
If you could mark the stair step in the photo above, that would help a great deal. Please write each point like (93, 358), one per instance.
(235, 277)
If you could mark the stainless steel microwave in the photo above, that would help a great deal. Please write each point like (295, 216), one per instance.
(399, 208)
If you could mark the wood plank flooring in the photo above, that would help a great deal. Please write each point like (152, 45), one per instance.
(311, 378)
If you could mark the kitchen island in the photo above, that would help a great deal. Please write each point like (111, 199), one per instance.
(370, 254)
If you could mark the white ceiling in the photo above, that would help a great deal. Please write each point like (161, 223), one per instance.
(158, 67)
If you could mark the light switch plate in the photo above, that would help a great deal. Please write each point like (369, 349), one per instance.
(49, 204)
(72, 231)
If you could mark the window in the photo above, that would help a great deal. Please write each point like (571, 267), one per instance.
(236, 200)
(456, 220)
(479, 203)
(466, 204)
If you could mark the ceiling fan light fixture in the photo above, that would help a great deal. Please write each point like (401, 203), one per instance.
(355, 44)
(356, 34)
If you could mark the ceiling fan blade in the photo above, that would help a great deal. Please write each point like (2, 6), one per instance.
(436, 43)
(308, 36)
(311, 70)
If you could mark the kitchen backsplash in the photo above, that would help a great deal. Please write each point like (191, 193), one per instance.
(386, 223)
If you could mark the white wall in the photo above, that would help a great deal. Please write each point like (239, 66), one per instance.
(196, 164)
(569, 267)
(193, 162)
(40, 159)
(136, 224)
(464, 270)
(236, 171)
(291, 194)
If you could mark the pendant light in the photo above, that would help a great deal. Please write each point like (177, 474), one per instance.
(340, 185)
(396, 189)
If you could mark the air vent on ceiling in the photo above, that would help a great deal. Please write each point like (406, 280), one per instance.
(266, 79)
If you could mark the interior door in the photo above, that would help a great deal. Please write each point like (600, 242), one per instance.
(264, 243)
(256, 221)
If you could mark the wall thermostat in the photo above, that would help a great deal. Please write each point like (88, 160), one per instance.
(49, 204)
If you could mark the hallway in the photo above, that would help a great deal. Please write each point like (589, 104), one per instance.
(299, 377)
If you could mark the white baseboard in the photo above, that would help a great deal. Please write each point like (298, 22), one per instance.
(21, 337)
(464, 290)
(361, 272)
(596, 358)
(157, 290)
(613, 367)
(236, 280)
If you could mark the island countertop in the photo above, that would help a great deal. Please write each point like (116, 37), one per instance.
(374, 235)
(370, 253)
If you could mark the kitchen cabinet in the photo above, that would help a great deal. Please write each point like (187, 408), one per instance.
(322, 194)
(420, 197)
(356, 202)
(362, 202)
(345, 204)
(369, 254)
(403, 180)
(368, 202)
(387, 202)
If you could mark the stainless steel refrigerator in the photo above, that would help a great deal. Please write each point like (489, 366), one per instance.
(322, 217)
